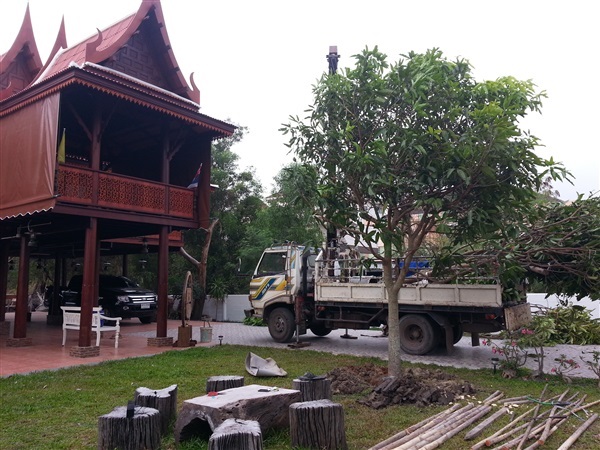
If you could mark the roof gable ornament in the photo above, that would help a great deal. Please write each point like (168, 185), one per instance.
(31, 61)
(91, 48)
(59, 43)
(194, 92)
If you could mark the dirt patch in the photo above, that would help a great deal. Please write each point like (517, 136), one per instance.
(415, 386)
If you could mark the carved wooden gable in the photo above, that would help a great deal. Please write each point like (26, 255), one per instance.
(18, 74)
(139, 58)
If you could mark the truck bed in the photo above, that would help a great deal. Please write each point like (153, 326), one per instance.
(478, 295)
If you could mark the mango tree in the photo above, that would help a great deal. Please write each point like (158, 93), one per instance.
(399, 150)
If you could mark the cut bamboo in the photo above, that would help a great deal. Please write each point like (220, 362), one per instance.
(381, 445)
(548, 423)
(454, 422)
(533, 419)
(486, 423)
(426, 428)
(571, 440)
(485, 443)
(454, 431)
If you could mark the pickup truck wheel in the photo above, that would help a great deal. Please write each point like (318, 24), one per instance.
(320, 330)
(281, 325)
(146, 319)
(417, 334)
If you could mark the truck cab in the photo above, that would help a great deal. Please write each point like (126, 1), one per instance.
(282, 281)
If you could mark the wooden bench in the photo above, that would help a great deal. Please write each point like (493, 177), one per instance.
(72, 317)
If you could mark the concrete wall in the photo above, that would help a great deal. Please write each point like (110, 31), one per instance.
(231, 310)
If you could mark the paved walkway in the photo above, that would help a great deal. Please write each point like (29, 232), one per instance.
(48, 353)
(371, 343)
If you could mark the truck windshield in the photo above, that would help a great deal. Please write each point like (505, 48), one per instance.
(271, 263)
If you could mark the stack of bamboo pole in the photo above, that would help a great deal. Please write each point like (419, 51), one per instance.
(528, 431)
(433, 432)
(531, 429)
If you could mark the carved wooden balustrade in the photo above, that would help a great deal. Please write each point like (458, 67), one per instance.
(119, 192)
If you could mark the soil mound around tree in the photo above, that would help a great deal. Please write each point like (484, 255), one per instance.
(414, 386)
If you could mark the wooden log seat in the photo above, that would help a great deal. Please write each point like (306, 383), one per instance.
(236, 434)
(165, 400)
(221, 382)
(313, 388)
(140, 432)
(200, 416)
(317, 424)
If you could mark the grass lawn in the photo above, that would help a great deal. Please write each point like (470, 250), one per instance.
(60, 409)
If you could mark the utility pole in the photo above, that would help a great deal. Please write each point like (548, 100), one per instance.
(331, 239)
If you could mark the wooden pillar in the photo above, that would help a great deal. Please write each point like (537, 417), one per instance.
(3, 277)
(164, 177)
(88, 287)
(125, 265)
(203, 190)
(95, 152)
(20, 330)
(54, 312)
(163, 287)
(63, 272)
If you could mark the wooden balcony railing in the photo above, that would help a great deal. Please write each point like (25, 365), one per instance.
(118, 192)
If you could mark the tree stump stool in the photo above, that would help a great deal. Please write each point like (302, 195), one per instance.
(235, 434)
(141, 432)
(220, 383)
(317, 388)
(165, 400)
(317, 424)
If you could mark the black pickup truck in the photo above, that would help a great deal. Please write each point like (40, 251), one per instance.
(118, 296)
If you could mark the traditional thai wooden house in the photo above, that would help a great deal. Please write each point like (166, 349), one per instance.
(97, 149)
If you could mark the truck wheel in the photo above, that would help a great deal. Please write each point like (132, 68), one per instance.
(457, 334)
(417, 334)
(320, 330)
(145, 319)
(281, 325)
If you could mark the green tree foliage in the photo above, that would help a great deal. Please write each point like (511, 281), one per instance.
(556, 248)
(384, 141)
(286, 217)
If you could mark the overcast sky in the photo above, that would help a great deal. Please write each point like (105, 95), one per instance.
(256, 61)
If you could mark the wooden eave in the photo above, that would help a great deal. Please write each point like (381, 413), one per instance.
(122, 87)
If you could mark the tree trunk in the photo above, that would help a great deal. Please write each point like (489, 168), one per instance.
(165, 400)
(394, 359)
(142, 432)
(318, 424)
(201, 267)
(235, 434)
